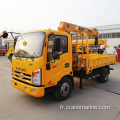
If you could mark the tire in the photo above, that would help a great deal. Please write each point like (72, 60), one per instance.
(3, 54)
(104, 75)
(63, 89)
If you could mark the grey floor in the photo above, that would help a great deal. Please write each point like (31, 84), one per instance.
(16, 105)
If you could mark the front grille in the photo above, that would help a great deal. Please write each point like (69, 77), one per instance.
(27, 83)
(26, 76)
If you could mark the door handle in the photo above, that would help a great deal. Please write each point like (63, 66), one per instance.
(66, 64)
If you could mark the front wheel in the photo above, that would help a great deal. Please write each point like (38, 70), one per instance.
(104, 75)
(63, 89)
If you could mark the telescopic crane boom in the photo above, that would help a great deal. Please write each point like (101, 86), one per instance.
(68, 27)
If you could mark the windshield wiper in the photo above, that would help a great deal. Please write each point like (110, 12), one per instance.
(32, 56)
(25, 56)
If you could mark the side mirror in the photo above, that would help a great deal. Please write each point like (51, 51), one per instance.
(48, 66)
(56, 45)
(5, 35)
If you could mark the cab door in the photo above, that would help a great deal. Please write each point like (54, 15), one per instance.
(58, 62)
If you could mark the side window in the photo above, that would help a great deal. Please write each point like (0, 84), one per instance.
(64, 44)
(63, 47)
(49, 50)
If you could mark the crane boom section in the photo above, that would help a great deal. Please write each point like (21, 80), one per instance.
(68, 27)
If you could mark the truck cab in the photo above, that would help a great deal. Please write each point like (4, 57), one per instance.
(38, 64)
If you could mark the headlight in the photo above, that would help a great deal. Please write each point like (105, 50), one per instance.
(36, 77)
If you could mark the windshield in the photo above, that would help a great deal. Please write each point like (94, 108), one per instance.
(34, 45)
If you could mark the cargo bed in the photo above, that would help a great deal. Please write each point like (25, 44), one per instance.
(92, 61)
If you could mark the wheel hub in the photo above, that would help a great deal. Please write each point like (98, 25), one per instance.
(65, 89)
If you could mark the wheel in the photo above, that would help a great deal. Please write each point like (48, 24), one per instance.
(3, 54)
(104, 75)
(63, 89)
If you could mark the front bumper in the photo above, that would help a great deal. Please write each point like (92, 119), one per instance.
(28, 88)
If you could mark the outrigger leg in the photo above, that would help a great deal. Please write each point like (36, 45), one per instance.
(81, 85)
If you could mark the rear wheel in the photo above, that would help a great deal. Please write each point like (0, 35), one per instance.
(104, 75)
(63, 89)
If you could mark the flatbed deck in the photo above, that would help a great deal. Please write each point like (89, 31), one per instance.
(92, 61)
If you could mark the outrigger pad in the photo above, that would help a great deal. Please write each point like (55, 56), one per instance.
(111, 86)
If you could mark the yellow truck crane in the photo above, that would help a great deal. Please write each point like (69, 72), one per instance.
(43, 61)
(10, 49)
